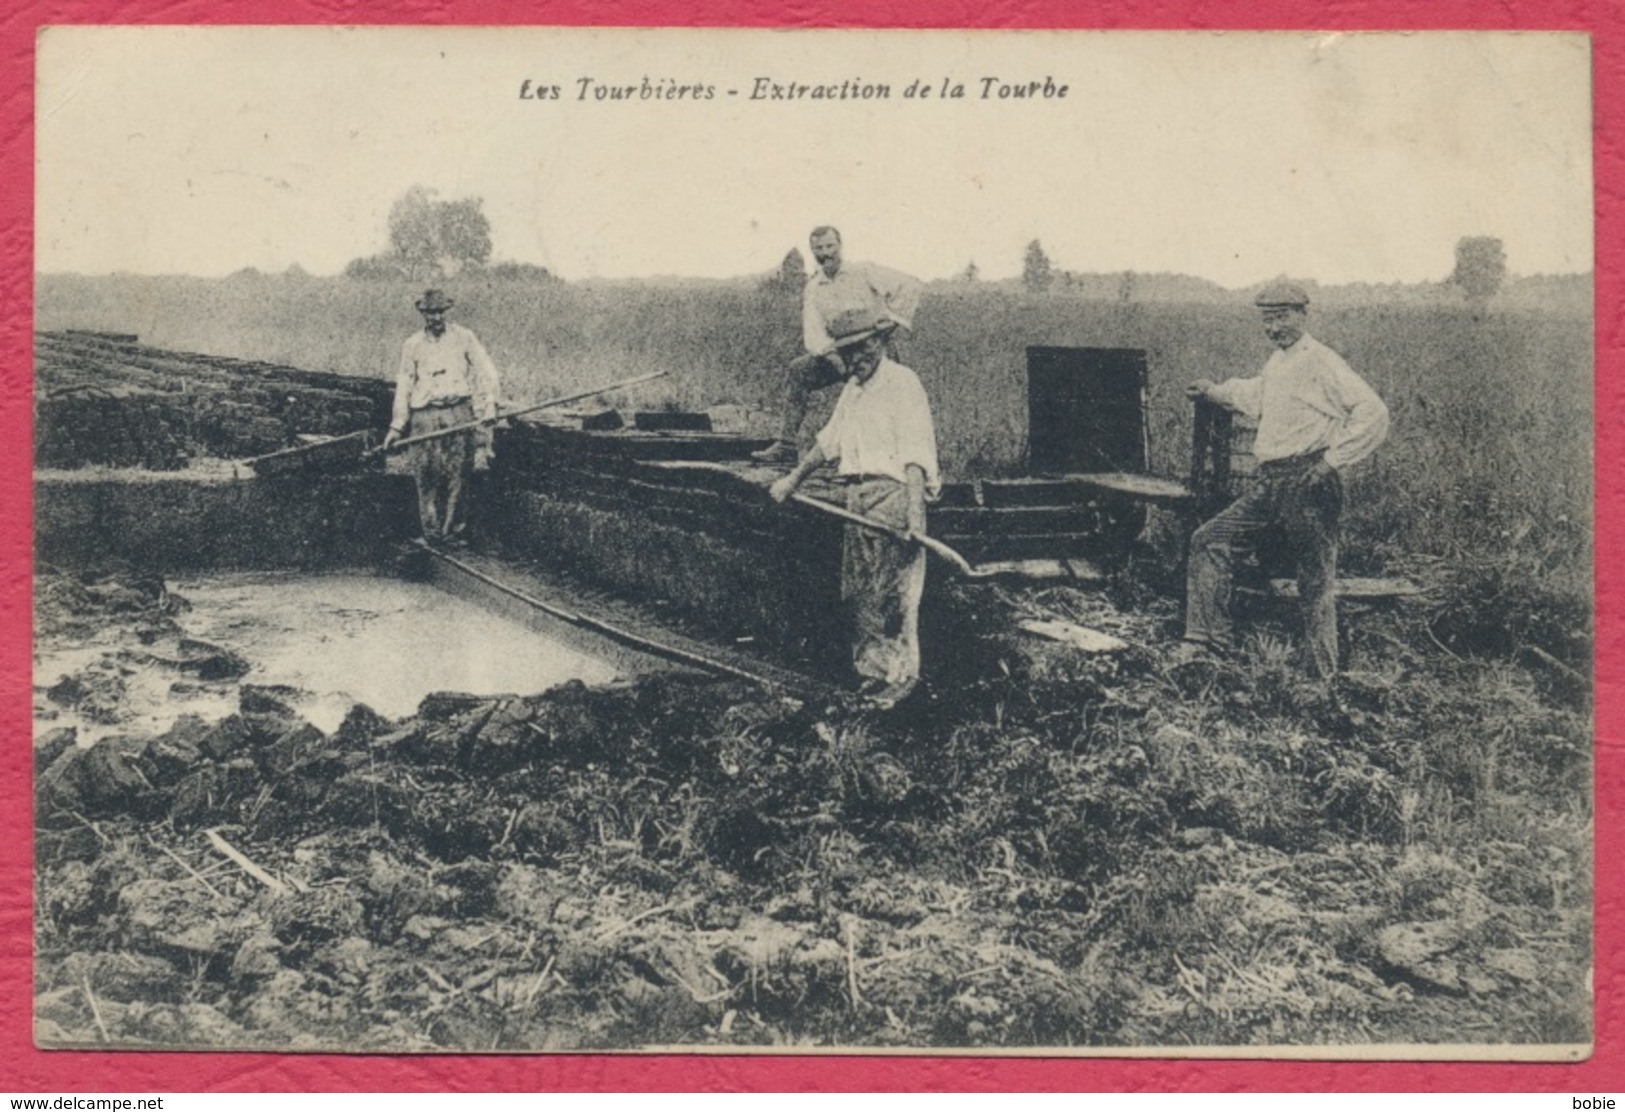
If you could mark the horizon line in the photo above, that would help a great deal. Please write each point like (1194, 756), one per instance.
(295, 270)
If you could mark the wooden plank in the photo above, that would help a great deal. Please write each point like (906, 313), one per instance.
(242, 861)
(1354, 587)
(663, 421)
(1147, 488)
(1078, 636)
(1070, 569)
(1041, 491)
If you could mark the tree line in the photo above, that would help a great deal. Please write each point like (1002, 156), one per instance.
(432, 239)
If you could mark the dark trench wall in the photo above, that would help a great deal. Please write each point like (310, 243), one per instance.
(779, 594)
(167, 524)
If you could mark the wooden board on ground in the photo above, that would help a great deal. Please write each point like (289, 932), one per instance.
(1071, 569)
(1355, 587)
(1078, 636)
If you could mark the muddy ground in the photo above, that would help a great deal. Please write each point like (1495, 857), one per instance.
(1045, 848)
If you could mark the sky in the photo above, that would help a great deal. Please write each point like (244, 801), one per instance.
(1235, 157)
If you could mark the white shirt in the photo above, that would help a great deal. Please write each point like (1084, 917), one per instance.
(855, 286)
(882, 427)
(1306, 399)
(437, 369)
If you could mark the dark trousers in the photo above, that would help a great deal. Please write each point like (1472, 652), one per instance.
(1285, 494)
(807, 373)
(803, 375)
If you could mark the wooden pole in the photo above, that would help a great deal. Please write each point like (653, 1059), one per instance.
(242, 862)
(906, 536)
(566, 400)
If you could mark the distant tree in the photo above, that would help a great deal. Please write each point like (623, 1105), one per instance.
(1125, 286)
(434, 238)
(529, 272)
(1481, 267)
(791, 274)
(1035, 270)
(465, 233)
(971, 273)
(794, 268)
(412, 237)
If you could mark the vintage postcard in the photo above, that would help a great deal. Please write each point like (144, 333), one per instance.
(742, 541)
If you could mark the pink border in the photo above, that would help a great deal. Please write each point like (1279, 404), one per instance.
(25, 1068)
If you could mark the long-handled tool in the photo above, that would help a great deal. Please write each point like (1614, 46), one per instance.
(356, 448)
(566, 400)
(1025, 569)
(907, 536)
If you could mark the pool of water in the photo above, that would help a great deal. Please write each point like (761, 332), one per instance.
(336, 640)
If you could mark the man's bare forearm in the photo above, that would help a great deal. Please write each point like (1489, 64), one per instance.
(916, 498)
(786, 486)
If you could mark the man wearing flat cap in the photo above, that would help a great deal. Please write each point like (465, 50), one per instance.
(882, 439)
(836, 286)
(1316, 418)
(445, 379)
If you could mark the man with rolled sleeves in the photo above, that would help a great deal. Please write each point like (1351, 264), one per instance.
(835, 287)
(1316, 418)
(445, 379)
(883, 441)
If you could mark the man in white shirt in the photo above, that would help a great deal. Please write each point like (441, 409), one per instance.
(445, 379)
(885, 445)
(835, 287)
(1316, 418)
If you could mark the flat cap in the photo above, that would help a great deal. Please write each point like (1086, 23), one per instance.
(1282, 293)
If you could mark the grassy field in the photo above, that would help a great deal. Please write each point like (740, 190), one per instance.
(1490, 451)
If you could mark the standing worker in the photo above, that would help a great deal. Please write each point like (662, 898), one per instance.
(881, 434)
(835, 287)
(445, 379)
(1316, 418)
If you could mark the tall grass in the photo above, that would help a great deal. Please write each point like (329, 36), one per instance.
(1490, 450)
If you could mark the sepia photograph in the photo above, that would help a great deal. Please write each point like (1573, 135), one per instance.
(784, 542)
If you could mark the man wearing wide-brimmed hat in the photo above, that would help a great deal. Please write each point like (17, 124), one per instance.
(882, 438)
(836, 286)
(1316, 418)
(445, 379)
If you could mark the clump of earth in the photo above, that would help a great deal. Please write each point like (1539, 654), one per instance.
(1044, 848)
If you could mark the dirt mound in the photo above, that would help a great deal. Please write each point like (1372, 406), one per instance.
(113, 402)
